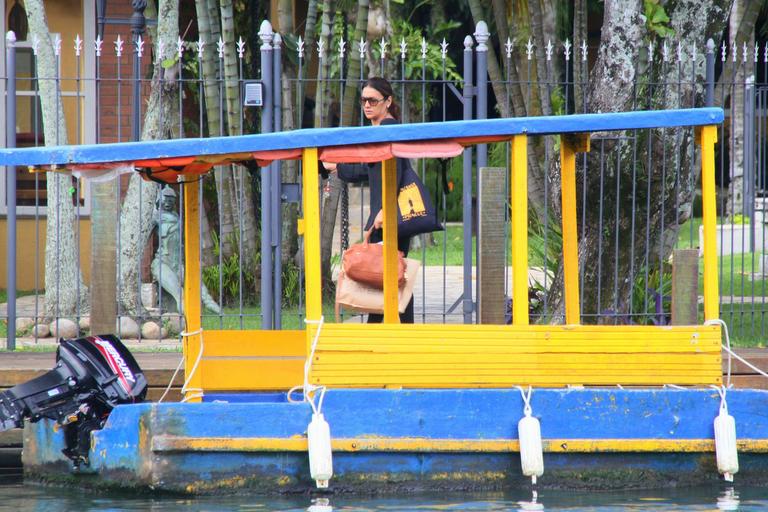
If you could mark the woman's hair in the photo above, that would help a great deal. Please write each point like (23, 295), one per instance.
(385, 88)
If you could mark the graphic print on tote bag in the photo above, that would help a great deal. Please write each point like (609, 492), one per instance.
(410, 202)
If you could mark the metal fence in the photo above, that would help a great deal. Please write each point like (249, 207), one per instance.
(633, 184)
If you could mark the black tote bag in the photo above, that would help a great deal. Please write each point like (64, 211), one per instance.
(416, 214)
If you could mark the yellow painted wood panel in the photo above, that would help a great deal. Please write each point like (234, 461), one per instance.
(389, 193)
(251, 374)
(461, 381)
(255, 343)
(519, 201)
(647, 330)
(191, 346)
(487, 356)
(650, 361)
(707, 136)
(169, 443)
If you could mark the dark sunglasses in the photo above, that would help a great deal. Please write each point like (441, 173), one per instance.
(371, 101)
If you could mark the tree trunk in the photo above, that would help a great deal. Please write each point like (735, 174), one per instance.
(742, 31)
(641, 218)
(65, 291)
(211, 101)
(330, 199)
(139, 202)
(241, 207)
(322, 92)
(352, 83)
(494, 70)
(579, 66)
(309, 33)
(289, 171)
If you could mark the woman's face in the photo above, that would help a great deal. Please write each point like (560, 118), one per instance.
(375, 105)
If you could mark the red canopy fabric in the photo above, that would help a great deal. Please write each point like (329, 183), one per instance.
(169, 169)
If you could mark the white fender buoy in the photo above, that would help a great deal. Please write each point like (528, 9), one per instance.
(529, 434)
(725, 441)
(320, 454)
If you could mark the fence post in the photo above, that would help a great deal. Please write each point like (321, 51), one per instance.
(482, 35)
(467, 304)
(277, 189)
(749, 155)
(10, 184)
(265, 33)
(710, 77)
(137, 29)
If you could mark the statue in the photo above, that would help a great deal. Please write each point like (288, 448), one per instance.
(167, 266)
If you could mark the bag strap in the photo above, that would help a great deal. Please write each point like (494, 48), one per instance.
(337, 306)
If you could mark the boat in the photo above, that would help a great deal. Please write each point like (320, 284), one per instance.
(346, 407)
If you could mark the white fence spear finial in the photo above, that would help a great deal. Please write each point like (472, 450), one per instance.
(529, 49)
(97, 44)
(362, 47)
(423, 48)
(241, 47)
(383, 47)
(179, 48)
(508, 48)
(119, 45)
(57, 45)
(220, 46)
(200, 47)
(78, 45)
(443, 49)
(567, 49)
(139, 46)
(584, 51)
(403, 48)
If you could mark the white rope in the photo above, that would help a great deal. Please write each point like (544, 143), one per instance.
(198, 392)
(721, 391)
(727, 346)
(526, 399)
(173, 377)
(308, 388)
(731, 353)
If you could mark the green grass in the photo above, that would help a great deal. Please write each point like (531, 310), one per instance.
(745, 324)
(250, 318)
(452, 242)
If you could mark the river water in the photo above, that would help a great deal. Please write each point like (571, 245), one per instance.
(19, 497)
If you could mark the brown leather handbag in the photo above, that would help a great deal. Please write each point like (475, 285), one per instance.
(364, 263)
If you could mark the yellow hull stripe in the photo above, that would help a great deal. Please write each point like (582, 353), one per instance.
(382, 444)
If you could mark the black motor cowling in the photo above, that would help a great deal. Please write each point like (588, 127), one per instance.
(92, 375)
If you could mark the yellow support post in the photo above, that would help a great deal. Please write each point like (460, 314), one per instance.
(192, 343)
(519, 196)
(310, 228)
(569, 146)
(389, 211)
(706, 138)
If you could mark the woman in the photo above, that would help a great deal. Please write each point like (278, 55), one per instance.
(380, 108)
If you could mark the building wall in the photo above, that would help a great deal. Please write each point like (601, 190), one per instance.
(30, 252)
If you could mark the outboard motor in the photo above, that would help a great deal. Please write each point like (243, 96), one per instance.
(92, 375)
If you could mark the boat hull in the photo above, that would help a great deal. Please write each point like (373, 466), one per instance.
(414, 440)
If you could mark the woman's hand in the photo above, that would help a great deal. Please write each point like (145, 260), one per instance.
(379, 220)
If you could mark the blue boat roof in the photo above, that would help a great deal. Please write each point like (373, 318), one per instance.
(326, 137)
